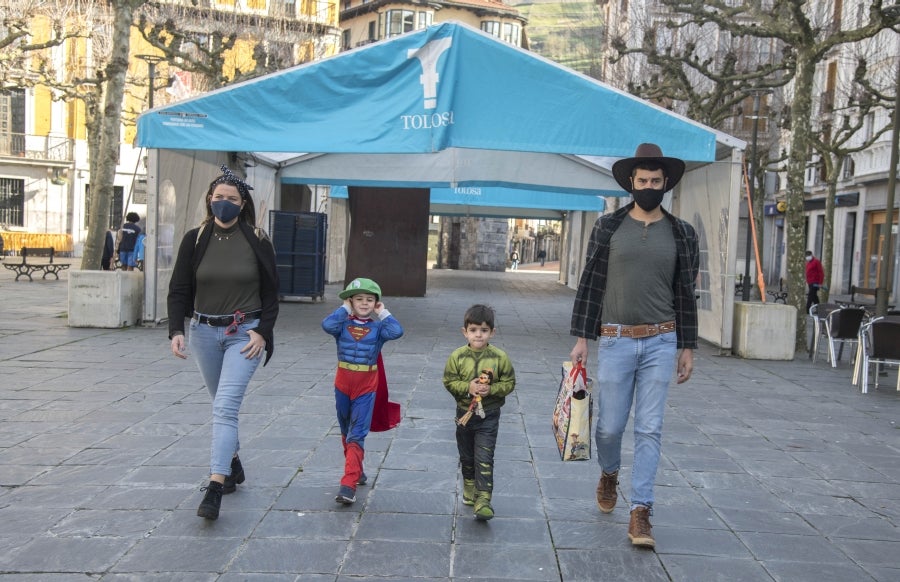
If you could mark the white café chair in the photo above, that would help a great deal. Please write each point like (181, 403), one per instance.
(842, 326)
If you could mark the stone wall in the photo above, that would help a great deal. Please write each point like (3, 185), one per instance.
(481, 244)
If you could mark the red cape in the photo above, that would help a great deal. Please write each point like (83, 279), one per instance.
(386, 414)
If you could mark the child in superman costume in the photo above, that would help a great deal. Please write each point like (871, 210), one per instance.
(360, 327)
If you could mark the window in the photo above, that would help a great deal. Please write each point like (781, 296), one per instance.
(491, 27)
(345, 39)
(12, 122)
(399, 21)
(849, 167)
(372, 31)
(12, 202)
(116, 212)
(827, 103)
(511, 34)
(425, 19)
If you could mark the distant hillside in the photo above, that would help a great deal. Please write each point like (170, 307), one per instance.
(570, 33)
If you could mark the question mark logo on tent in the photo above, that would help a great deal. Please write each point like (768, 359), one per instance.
(428, 56)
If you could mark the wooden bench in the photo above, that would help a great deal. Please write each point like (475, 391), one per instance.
(26, 268)
(854, 291)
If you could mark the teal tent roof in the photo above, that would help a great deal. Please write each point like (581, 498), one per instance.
(497, 202)
(446, 106)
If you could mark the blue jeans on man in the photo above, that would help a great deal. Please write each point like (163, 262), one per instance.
(638, 371)
(226, 372)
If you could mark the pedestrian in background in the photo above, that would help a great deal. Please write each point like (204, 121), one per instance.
(815, 277)
(225, 281)
(637, 294)
(126, 238)
(479, 376)
(542, 256)
(359, 337)
(514, 260)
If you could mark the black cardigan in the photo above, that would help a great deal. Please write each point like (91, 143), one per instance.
(182, 286)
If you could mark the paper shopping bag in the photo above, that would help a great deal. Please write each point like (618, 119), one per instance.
(573, 414)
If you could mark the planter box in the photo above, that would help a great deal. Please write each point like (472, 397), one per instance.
(105, 298)
(764, 331)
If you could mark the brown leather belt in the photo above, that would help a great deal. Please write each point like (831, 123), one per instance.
(637, 331)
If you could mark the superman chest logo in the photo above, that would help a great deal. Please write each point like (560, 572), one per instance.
(358, 332)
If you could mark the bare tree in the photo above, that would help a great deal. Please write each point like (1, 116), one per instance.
(201, 40)
(103, 158)
(844, 108)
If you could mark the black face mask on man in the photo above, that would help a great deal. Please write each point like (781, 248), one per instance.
(648, 198)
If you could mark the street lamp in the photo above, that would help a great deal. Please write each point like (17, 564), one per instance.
(751, 180)
(883, 290)
(151, 61)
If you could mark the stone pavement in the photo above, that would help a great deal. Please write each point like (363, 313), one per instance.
(770, 470)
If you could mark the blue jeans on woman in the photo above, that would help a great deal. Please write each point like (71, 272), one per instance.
(639, 371)
(226, 372)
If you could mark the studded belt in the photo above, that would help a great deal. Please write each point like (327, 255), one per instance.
(637, 331)
(223, 320)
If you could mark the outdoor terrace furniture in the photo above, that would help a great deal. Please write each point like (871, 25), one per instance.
(842, 326)
(819, 311)
(854, 291)
(879, 344)
(29, 265)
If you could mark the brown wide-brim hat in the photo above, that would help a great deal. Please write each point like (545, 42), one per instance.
(648, 152)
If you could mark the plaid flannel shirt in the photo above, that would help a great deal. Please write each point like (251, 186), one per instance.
(586, 313)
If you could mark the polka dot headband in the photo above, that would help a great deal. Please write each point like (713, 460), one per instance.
(228, 177)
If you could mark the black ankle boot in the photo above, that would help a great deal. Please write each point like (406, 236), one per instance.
(209, 507)
(237, 477)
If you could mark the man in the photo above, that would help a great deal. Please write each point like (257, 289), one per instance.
(815, 276)
(126, 241)
(637, 294)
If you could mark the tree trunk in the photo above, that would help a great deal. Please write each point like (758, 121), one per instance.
(795, 220)
(834, 170)
(104, 158)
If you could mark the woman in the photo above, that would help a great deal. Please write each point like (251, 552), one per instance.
(225, 281)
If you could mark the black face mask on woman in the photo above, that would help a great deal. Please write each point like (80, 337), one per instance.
(648, 198)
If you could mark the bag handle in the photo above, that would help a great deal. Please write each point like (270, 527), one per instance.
(578, 370)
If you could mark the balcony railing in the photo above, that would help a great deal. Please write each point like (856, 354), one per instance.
(36, 147)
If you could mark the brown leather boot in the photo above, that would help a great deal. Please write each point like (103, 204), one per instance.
(639, 528)
(606, 491)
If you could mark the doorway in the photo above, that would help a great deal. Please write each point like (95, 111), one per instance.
(388, 239)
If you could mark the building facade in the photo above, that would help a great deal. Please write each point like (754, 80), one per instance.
(45, 181)
(368, 21)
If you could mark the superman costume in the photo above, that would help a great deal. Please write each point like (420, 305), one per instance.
(359, 342)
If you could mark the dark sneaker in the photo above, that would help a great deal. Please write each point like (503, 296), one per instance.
(362, 479)
(346, 495)
(209, 507)
(483, 509)
(236, 478)
(606, 491)
(639, 528)
(468, 491)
